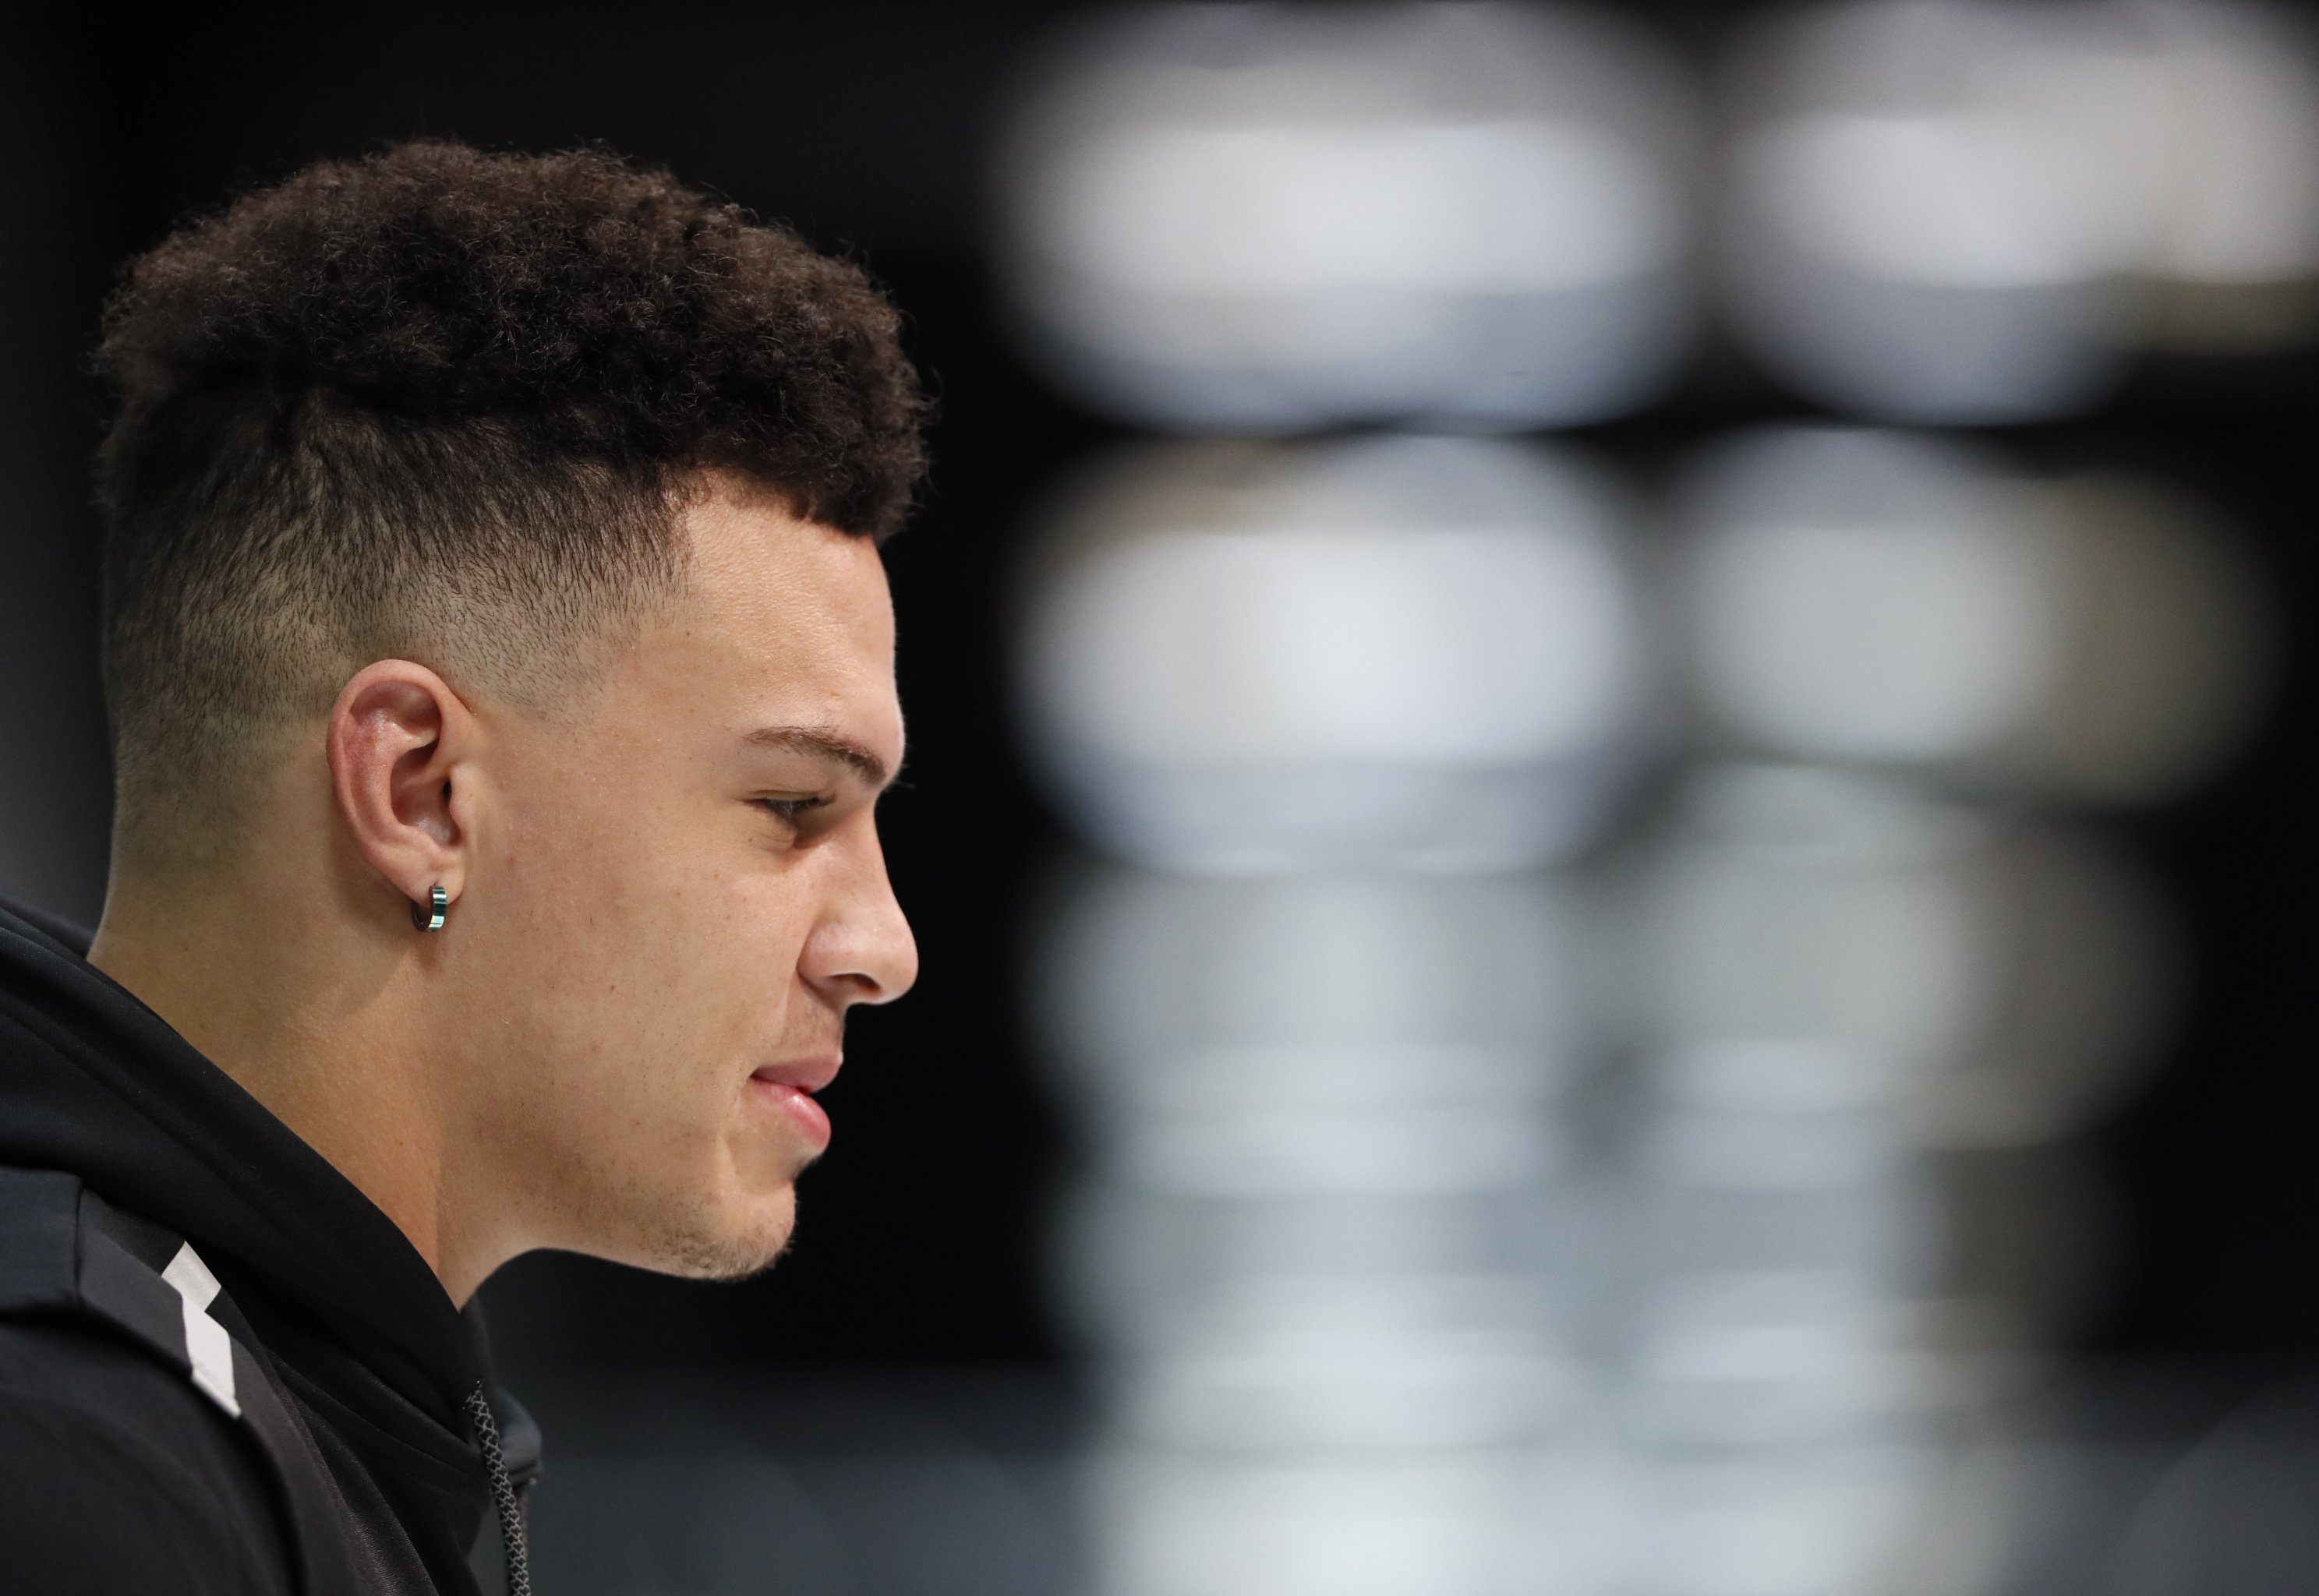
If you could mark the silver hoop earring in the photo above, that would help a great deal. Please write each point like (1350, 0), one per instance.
(429, 915)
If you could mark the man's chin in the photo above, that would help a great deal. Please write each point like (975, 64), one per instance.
(726, 1242)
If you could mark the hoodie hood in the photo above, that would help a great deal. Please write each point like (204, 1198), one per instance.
(94, 1083)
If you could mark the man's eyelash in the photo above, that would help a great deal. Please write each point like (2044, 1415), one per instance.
(793, 809)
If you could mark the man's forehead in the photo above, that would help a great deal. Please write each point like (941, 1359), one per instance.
(774, 580)
(782, 640)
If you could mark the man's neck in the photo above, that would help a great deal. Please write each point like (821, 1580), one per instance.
(317, 1024)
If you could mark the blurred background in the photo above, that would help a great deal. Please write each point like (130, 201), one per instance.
(1609, 795)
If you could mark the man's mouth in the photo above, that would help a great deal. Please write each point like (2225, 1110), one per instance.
(787, 1089)
(807, 1074)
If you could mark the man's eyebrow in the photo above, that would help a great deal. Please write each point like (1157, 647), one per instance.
(822, 743)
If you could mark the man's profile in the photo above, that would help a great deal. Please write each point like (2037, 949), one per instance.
(500, 668)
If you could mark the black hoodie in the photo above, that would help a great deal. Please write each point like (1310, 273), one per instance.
(116, 1473)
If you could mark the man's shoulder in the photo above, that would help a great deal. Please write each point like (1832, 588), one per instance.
(116, 1474)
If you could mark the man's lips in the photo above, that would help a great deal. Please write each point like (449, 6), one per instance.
(807, 1074)
(787, 1089)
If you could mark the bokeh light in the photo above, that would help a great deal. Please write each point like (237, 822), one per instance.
(1974, 210)
(1726, 1177)
(1329, 1244)
(1825, 942)
(1882, 599)
(1400, 649)
(1271, 217)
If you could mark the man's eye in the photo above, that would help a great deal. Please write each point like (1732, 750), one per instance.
(792, 809)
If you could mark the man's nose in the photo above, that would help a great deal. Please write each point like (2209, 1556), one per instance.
(863, 951)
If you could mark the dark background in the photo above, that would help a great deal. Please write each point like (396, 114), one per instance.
(863, 127)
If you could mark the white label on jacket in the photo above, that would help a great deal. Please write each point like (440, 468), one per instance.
(208, 1348)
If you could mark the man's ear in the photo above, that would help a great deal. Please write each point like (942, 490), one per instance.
(398, 739)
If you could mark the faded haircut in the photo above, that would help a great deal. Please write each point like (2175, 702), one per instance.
(445, 405)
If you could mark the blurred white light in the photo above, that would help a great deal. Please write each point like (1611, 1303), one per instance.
(1400, 1149)
(1806, 1520)
(2233, 152)
(1760, 1357)
(1318, 993)
(1276, 217)
(1152, 1272)
(1341, 1523)
(1355, 644)
(1348, 1034)
(1792, 908)
(1774, 1147)
(1871, 597)
(1418, 1362)
(1329, 1233)
(1344, 1385)
(1913, 227)
(1481, 207)
(1971, 203)
(1835, 977)
(1972, 210)
(1861, 595)
(1878, 1234)
(1814, 944)
(1411, 651)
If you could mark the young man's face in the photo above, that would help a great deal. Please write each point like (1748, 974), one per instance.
(673, 903)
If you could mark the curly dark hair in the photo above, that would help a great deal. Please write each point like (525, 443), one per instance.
(448, 404)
